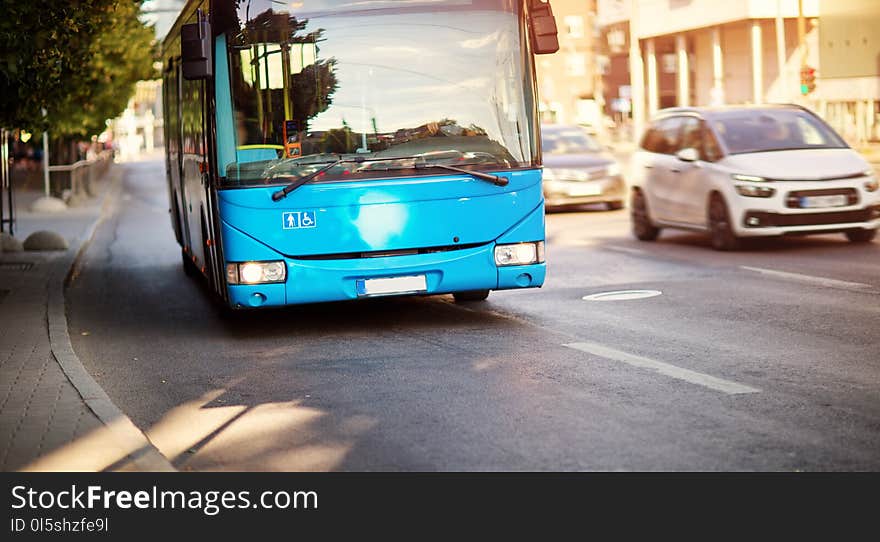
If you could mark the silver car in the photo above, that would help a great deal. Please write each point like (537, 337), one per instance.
(578, 170)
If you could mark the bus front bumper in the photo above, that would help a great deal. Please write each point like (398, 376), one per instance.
(316, 281)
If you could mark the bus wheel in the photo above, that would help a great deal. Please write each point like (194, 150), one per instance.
(188, 266)
(471, 295)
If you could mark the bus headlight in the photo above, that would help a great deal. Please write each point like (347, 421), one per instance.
(519, 254)
(255, 272)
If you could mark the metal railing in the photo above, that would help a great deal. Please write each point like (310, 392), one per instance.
(77, 179)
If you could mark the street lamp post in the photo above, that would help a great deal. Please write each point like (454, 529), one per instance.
(45, 158)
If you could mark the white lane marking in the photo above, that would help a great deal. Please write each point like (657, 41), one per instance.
(708, 381)
(810, 279)
(627, 250)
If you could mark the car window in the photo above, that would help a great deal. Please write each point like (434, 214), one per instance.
(663, 136)
(809, 133)
(650, 139)
(692, 134)
(711, 149)
(745, 131)
(668, 141)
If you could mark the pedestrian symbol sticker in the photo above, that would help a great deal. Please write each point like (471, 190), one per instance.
(295, 220)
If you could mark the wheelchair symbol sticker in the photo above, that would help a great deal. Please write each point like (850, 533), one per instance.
(295, 220)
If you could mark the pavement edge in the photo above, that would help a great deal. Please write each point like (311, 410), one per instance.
(145, 457)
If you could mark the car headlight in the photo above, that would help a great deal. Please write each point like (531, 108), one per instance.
(748, 178)
(613, 170)
(519, 254)
(754, 191)
(255, 272)
(871, 185)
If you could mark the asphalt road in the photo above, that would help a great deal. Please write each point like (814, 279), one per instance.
(765, 359)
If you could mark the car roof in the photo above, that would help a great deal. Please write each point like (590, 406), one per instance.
(710, 111)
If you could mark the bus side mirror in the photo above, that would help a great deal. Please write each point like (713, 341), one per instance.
(542, 27)
(195, 50)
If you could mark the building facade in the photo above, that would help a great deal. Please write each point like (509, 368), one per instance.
(848, 89)
(705, 52)
(567, 79)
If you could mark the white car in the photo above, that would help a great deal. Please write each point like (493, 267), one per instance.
(750, 171)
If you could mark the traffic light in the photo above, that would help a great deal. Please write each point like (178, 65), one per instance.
(808, 80)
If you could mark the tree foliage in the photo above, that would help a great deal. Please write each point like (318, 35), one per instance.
(78, 59)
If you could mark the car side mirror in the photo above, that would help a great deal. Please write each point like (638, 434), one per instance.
(689, 154)
(542, 28)
(195, 50)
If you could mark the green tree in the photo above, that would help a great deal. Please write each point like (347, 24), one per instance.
(78, 59)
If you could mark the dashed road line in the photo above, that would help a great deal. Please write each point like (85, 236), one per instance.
(694, 377)
(627, 250)
(810, 279)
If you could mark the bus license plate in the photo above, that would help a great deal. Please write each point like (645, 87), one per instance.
(392, 285)
(813, 202)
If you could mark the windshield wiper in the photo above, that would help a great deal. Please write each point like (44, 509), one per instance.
(281, 194)
(494, 179)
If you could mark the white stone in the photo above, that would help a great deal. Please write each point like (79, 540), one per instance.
(9, 243)
(48, 205)
(45, 240)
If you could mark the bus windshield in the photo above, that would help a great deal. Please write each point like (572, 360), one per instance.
(448, 81)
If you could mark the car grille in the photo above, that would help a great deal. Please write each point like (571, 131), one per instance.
(763, 219)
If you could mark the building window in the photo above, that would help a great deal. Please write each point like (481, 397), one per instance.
(576, 64)
(574, 26)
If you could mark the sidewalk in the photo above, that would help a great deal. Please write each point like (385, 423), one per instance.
(53, 416)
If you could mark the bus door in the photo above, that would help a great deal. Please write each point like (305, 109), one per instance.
(194, 167)
(171, 89)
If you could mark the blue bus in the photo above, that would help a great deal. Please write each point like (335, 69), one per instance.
(325, 150)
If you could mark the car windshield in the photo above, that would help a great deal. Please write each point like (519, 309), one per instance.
(773, 130)
(444, 80)
(567, 141)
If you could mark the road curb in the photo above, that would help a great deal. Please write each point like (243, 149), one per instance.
(144, 456)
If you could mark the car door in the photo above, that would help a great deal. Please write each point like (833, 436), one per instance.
(688, 182)
(662, 186)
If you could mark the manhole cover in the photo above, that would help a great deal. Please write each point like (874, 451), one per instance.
(622, 295)
(15, 266)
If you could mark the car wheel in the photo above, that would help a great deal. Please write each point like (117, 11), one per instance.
(614, 205)
(471, 295)
(720, 227)
(641, 220)
(861, 236)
